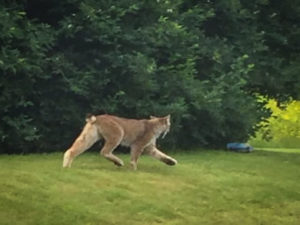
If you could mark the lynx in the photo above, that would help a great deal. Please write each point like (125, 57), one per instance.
(139, 135)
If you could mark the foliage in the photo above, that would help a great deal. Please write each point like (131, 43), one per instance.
(204, 62)
(282, 129)
(23, 60)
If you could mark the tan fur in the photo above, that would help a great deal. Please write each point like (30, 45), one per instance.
(139, 135)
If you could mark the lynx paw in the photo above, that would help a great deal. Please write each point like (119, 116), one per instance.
(119, 163)
(169, 161)
(134, 166)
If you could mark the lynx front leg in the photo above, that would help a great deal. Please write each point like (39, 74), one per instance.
(155, 153)
(136, 151)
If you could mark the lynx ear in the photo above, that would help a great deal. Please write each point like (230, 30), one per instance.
(168, 117)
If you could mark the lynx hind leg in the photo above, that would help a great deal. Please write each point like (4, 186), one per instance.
(113, 135)
(86, 139)
(155, 153)
(68, 158)
(107, 150)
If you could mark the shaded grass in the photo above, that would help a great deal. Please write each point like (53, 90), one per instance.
(206, 187)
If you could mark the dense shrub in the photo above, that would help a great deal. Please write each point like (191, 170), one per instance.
(204, 62)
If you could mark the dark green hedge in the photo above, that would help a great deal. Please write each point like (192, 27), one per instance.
(203, 62)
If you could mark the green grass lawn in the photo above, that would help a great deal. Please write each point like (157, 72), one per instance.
(206, 187)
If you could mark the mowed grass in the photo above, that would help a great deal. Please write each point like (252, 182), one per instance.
(206, 187)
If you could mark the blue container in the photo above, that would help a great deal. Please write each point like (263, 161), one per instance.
(239, 147)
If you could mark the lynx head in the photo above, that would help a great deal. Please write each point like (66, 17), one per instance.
(164, 124)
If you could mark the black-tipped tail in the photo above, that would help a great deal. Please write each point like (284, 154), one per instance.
(90, 118)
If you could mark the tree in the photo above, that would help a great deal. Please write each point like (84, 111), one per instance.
(22, 62)
(205, 62)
